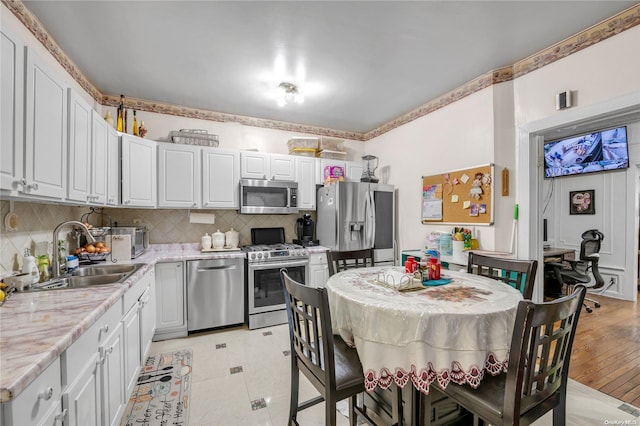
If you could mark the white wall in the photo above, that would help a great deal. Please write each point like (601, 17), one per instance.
(461, 135)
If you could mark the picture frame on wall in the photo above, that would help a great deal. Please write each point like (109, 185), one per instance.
(582, 202)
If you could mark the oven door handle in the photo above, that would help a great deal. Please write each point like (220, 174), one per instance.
(278, 265)
(216, 268)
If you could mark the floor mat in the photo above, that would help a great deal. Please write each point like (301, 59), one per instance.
(161, 394)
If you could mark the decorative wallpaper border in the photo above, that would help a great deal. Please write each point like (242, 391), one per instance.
(616, 24)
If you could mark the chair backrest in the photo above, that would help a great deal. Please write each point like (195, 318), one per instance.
(519, 274)
(341, 260)
(310, 329)
(591, 241)
(540, 352)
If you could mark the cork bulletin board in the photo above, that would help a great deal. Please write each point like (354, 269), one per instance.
(459, 197)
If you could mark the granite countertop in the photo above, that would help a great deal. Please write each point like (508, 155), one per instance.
(36, 328)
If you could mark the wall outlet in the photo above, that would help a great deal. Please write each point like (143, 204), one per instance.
(137, 221)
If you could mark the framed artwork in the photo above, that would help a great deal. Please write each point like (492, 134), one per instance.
(582, 202)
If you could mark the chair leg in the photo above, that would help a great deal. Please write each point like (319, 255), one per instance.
(293, 403)
(353, 421)
(330, 409)
(560, 413)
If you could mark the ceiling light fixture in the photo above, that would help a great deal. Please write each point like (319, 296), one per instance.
(288, 93)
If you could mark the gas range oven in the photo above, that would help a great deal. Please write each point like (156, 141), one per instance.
(265, 294)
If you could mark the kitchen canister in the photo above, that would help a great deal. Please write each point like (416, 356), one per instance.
(205, 241)
(218, 239)
(446, 246)
(232, 238)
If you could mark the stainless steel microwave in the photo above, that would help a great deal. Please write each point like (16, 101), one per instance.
(259, 196)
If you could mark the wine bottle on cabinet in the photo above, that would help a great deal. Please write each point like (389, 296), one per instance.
(135, 124)
(125, 121)
(121, 124)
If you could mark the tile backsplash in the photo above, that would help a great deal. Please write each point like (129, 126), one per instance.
(37, 221)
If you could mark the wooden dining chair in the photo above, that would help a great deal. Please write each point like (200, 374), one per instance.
(536, 381)
(325, 359)
(342, 260)
(519, 274)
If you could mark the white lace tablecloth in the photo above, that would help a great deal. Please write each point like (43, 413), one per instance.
(451, 333)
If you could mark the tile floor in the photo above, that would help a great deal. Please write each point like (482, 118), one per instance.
(241, 377)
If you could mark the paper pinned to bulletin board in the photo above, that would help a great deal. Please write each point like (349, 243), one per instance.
(461, 196)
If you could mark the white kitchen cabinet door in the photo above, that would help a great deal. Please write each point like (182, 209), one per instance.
(318, 269)
(79, 178)
(147, 316)
(112, 377)
(322, 164)
(139, 177)
(11, 109)
(113, 167)
(179, 175)
(99, 159)
(306, 178)
(45, 130)
(254, 165)
(220, 178)
(131, 339)
(354, 171)
(170, 309)
(282, 167)
(82, 398)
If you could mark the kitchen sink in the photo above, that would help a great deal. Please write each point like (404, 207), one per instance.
(89, 276)
(99, 270)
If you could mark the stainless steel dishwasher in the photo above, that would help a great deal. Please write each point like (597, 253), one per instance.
(215, 293)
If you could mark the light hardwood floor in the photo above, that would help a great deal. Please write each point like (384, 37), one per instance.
(606, 349)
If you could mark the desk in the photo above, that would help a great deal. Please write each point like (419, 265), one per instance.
(451, 333)
(551, 254)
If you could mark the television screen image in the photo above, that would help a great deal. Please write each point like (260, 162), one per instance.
(587, 153)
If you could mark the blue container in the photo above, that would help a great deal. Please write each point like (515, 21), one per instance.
(446, 245)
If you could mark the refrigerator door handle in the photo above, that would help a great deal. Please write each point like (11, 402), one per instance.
(373, 219)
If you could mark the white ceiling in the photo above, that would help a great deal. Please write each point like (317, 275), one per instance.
(359, 63)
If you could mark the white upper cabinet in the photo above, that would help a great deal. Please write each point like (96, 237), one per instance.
(354, 171)
(11, 109)
(306, 178)
(45, 130)
(220, 178)
(79, 183)
(254, 165)
(179, 175)
(260, 165)
(282, 167)
(113, 167)
(139, 185)
(99, 158)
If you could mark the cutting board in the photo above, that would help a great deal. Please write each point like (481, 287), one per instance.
(120, 248)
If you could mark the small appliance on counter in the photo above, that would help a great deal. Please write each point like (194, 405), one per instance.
(370, 166)
(305, 230)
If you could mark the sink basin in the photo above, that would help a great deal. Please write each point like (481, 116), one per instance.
(89, 276)
(105, 270)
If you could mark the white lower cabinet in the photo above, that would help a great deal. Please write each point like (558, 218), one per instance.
(82, 398)
(39, 403)
(132, 356)
(318, 269)
(147, 316)
(171, 321)
(112, 377)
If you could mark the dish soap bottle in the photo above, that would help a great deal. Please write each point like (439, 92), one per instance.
(205, 241)
(29, 266)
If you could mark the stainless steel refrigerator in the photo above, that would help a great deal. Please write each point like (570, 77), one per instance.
(358, 215)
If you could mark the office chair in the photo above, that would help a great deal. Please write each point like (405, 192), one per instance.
(536, 381)
(580, 269)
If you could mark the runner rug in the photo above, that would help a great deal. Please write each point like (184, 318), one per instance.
(161, 394)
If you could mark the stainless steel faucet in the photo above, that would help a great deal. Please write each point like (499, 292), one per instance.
(55, 263)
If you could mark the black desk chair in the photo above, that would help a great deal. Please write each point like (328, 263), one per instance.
(536, 381)
(580, 269)
(341, 260)
(519, 274)
(331, 366)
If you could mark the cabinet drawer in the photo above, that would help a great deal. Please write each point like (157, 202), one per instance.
(37, 400)
(132, 295)
(318, 259)
(76, 356)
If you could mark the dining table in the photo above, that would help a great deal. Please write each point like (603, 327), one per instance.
(452, 330)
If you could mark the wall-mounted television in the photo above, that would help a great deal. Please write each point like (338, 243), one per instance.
(587, 153)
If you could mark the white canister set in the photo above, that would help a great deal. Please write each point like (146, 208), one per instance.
(221, 240)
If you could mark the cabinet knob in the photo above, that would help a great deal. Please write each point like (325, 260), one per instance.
(110, 350)
(104, 328)
(46, 394)
(61, 417)
(195, 204)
